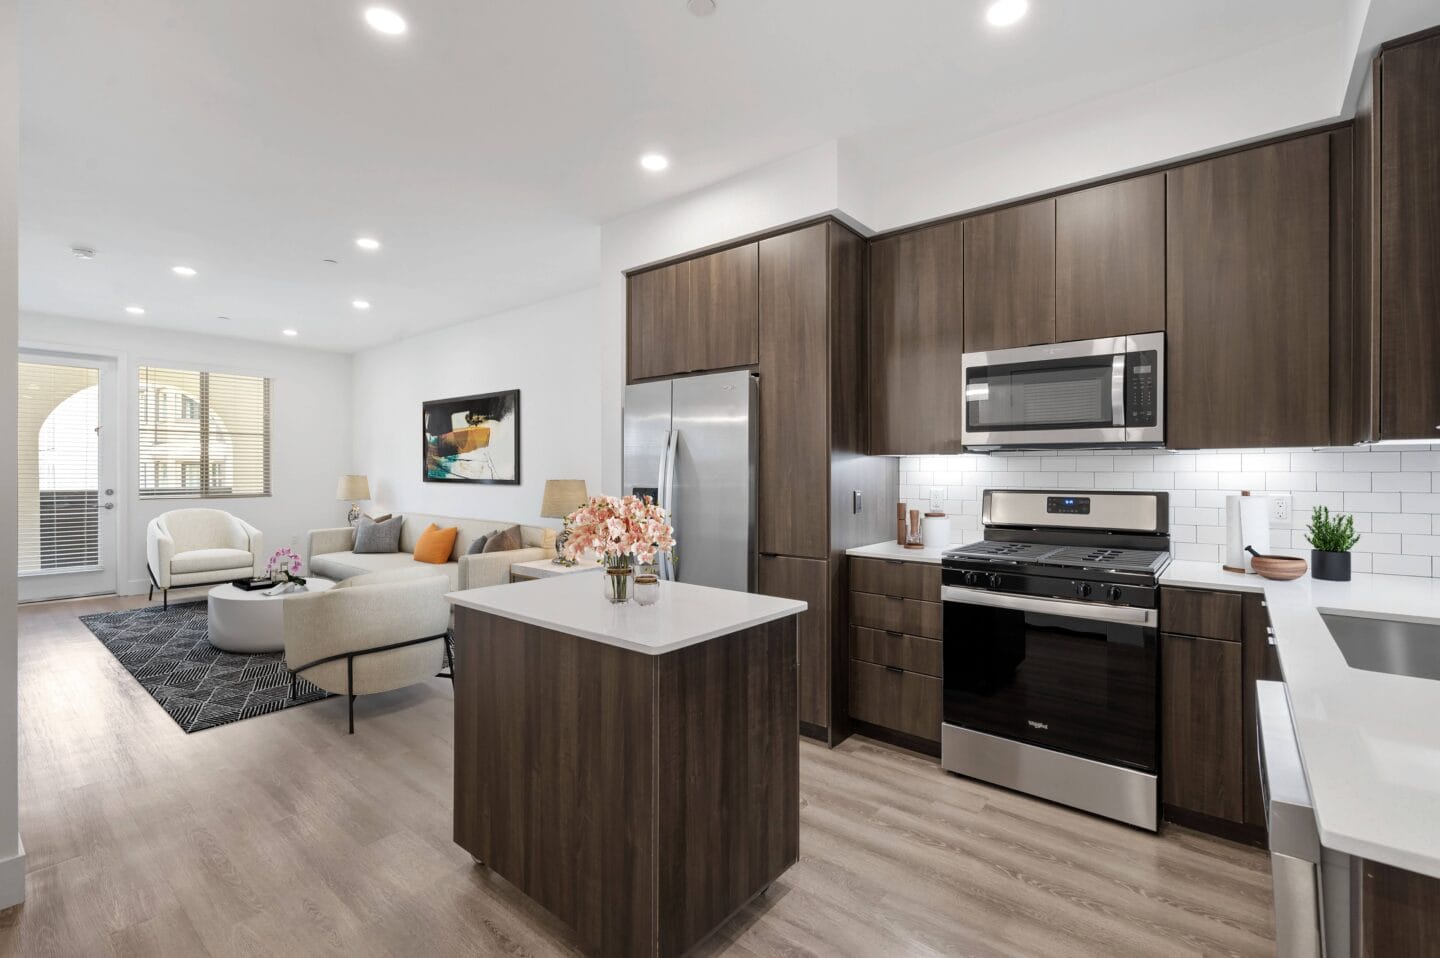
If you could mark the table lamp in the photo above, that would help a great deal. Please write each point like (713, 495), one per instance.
(353, 489)
(562, 497)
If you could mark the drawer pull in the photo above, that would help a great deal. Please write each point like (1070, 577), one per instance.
(896, 598)
(895, 635)
(894, 668)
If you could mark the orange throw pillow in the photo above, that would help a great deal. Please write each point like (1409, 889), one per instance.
(436, 544)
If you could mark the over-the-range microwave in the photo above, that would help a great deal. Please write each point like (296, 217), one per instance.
(1094, 392)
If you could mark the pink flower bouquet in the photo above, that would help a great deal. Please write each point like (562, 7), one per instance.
(284, 565)
(619, 528)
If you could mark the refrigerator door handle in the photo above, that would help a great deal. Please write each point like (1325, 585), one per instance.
(667, 492)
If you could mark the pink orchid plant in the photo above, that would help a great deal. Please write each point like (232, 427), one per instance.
(619, 528)
(285, 561)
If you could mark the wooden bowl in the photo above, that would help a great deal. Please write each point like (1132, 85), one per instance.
(1280, 568)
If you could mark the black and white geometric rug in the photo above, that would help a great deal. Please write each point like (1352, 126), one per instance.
(169, 653)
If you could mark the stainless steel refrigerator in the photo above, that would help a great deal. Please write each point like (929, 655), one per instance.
(691, 443)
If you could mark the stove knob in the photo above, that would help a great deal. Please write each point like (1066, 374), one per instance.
(1115, 594)
(995, 580)
(1082, 589)
(972, 579)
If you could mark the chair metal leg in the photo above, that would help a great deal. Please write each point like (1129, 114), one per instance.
(292, 684)
(166, 594)
(151, 596)
(350, 688)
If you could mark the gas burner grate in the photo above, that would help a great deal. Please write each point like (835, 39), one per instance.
(1137, 560)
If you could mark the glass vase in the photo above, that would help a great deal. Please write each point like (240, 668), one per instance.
(619, 575)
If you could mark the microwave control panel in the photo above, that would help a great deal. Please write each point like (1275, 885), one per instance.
(1142, 376)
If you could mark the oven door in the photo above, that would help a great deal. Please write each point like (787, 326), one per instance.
(1077, 393)
(1077, 677)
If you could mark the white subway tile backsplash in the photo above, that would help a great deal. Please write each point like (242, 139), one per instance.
(1393, 495)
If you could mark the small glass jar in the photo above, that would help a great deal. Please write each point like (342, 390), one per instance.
(618, 577)
(647, 588)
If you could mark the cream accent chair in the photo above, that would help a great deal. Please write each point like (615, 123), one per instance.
(331, 552)
(371, 633)
(199, 547)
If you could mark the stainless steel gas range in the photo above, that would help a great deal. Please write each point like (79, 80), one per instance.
(1051, 651)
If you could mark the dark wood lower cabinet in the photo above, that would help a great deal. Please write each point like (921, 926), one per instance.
(1202, 767)
(641, 799)
(809, 581)
(892, 698)
(893, 613)
(1393, 912)
(897, 650)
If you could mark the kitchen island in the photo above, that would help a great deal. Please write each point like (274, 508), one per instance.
(634, 770)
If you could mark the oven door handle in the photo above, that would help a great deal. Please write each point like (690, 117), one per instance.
(1124, 614)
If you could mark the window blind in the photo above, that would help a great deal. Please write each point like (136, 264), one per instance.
(58, 454)
(202, 435)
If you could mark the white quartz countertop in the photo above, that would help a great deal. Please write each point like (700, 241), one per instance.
(889, 550)
(1369, 741)
(684, 615)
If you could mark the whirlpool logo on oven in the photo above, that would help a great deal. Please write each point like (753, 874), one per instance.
(1040, 725)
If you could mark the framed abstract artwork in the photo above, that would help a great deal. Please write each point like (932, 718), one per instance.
(473, 438)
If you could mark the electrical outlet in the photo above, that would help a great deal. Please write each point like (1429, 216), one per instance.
(1280, 511)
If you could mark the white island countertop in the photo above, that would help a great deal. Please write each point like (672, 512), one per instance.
(1369, 741)
(684, 615)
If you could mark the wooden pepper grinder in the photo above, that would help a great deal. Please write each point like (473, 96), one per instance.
(899, 523)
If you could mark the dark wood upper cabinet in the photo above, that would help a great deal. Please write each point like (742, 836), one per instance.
(916, 328)
(1110, 260)
(657, 303)
(1010, 277)
(722, 329)
(794, 398)
(1409, 239)
(1248, 275)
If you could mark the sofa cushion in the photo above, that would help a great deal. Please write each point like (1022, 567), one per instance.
(435, 544)
(477, 547)
(378, 537)
(210, 560)
(507, 540)
(343, 565)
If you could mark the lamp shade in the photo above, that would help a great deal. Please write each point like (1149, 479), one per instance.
(562, 497)
(352, 488)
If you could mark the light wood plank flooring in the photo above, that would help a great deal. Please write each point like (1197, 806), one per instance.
(283, 835)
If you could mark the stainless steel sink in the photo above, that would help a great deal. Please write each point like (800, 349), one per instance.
(1387, 645)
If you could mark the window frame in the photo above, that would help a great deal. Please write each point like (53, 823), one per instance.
(205, 469)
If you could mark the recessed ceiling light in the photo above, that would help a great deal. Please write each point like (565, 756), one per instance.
(223, 319)
(135, 310)
(82, 252)
(367, 242)
(385, 20)
(182, 271)
(360, 303)
(654, 162)
(701, 8)
(1005, 13)
(291, 332)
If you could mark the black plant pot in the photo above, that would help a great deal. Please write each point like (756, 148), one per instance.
(1332, 566)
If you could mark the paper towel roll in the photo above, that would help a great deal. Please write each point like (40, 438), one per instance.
(1247, 523)
(935, 531)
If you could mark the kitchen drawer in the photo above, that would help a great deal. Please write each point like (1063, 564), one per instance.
(909, 652)
(1209, 615)
(889, 613)
(895, 699)
(912, 580)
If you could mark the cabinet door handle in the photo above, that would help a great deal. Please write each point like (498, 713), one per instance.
(894, 668)
(893, 634)
(896, 598)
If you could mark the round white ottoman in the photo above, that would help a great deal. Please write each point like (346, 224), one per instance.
(247, 622)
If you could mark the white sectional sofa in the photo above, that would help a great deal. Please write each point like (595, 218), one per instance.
(331, 551)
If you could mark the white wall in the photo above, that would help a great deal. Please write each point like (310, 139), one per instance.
(549, 351)
(789, 190)
(1288, 86)
(310, 444)
(1393, 493)
(12, 853)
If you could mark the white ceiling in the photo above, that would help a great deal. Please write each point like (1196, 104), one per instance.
(253, 139)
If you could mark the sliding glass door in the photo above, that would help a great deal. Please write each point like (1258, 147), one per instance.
(66, 451)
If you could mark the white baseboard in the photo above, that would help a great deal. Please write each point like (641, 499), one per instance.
(12, 877)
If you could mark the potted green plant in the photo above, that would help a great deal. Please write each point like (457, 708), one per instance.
(1331, 539)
